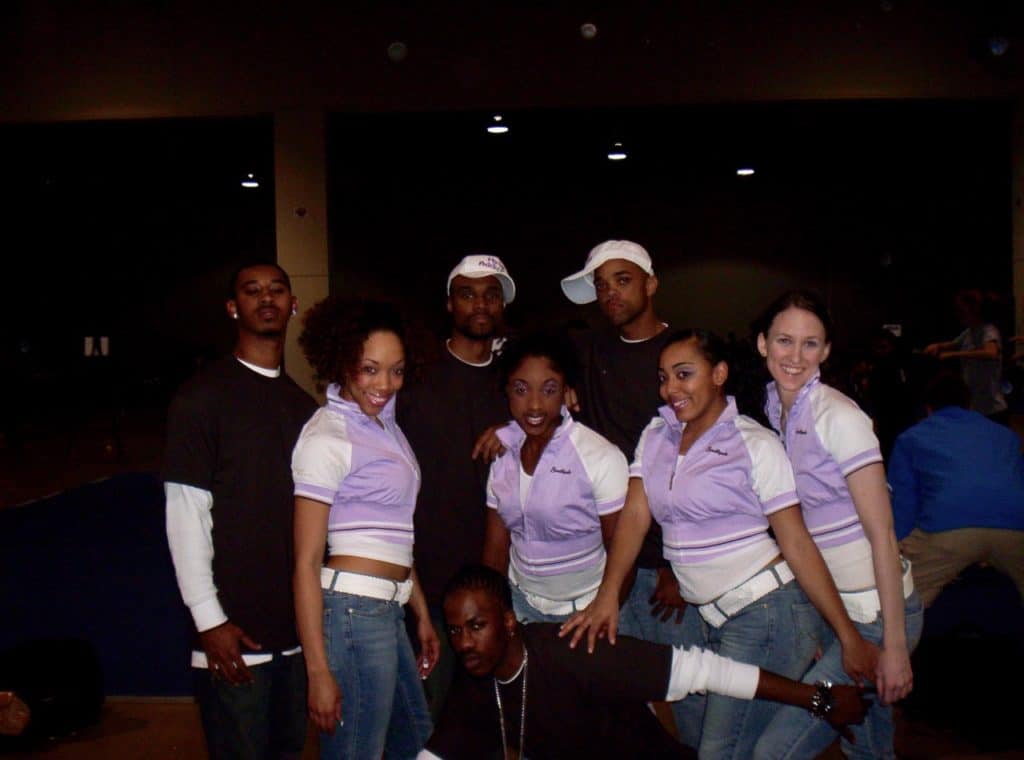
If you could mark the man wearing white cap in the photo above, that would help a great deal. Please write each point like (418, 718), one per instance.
(618, 396)
(442, 412)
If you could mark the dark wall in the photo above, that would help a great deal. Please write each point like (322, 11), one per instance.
(130, 230)
(886, 207)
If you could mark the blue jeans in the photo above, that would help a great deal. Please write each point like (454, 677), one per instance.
(382, 702)
(635, 619)
(795, 733)
(527, 613)
(264, 719)
(778, 633)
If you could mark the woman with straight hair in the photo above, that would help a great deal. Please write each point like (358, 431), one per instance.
(716, 481)
(841, 483)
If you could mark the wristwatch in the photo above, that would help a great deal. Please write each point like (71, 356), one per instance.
(821, 700)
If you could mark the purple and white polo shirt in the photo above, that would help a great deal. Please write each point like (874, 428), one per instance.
(366, 473)
(580, 477)
(827, 437)
(712, 504)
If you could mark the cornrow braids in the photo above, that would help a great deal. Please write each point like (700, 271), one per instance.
(480, 578)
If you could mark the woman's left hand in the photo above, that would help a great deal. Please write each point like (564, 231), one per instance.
(894, 678)
(860, 660)
(430, 647)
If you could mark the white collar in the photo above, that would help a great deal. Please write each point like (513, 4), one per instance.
(275, 372)
(624, 339)
(448, 345)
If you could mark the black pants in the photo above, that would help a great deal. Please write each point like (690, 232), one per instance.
(262, 720)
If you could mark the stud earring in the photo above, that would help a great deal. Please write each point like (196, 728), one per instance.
(294, 311)
(234, 315)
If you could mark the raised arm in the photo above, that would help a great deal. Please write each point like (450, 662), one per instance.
(324, 698)
(934, 349)
(870, 495)
(988, 350)
(488, 446)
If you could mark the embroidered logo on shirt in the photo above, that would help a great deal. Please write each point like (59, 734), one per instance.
(720, 453)
(561, 472)
(801, 432)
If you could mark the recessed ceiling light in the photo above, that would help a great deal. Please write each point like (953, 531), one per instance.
(250, 181)
(745, 172)
(497, 128)
(617, 153)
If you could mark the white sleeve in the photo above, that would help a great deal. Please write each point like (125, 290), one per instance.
(322, 459)
(606, 468)
(698, 670)
(190, 537)
(846, 432)
(771, 473)
(426, 754)
(636, 469)
(990, 334)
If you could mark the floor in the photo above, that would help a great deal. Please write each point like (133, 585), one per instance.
(49, 459)
(169, 729)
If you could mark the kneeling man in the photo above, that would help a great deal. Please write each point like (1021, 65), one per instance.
(524, 691)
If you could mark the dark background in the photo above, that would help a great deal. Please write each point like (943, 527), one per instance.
(131, 229)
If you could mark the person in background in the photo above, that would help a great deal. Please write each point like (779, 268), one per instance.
(230, 430)
(442, 410)
(618, 395)
(979, 350)
(957, 483)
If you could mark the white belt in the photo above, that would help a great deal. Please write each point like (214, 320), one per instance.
(718, 611)
(864, 606)
(365, 585)
(558, 607)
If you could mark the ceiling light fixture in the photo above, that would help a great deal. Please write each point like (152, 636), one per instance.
(617, 153)
(250, 181)
(745, 172)
(497, 128)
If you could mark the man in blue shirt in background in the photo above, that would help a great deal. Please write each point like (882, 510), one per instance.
(957, 483)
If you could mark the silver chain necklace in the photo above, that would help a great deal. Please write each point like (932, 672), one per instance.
(522, 711)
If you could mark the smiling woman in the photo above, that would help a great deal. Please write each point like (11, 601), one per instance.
(716, 482)
(555, 496)
(356, 482)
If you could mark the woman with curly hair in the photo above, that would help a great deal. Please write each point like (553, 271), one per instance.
(356, 481)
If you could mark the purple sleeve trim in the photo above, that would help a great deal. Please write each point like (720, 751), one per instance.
(782, 501)
(317, 493)
(863, 459)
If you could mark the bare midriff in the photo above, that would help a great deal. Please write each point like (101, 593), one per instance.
(364, 566)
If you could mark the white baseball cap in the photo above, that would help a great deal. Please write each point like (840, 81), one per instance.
(579, 287)
(484, 265)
